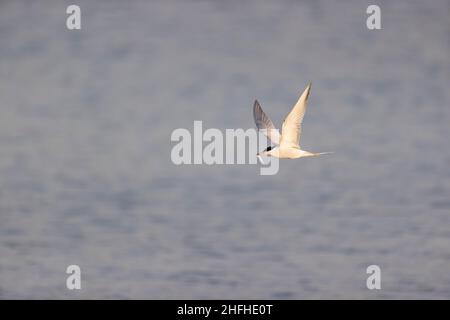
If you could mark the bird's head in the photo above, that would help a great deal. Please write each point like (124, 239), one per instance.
(266, 152)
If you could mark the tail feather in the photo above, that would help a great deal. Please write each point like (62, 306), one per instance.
(321, 153)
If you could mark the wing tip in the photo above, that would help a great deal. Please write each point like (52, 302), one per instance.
(256, 108)
(308, 90)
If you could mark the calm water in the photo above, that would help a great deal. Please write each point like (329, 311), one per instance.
(85, 170)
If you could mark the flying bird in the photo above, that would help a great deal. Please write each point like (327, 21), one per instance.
(287, 144)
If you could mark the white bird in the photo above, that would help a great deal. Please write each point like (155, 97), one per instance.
(287, 145)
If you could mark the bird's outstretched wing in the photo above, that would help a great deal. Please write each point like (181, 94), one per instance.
(292, 124)
(264, 124)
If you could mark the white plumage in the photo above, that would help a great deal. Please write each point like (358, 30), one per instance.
(287, 144)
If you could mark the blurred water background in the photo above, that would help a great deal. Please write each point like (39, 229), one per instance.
(85, 170)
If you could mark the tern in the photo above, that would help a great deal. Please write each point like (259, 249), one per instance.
(287, 144)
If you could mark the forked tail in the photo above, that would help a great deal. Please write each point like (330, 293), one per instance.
(321, 153)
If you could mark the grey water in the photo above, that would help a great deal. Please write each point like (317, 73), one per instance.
(86, 176)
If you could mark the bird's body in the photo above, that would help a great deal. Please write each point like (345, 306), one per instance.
(287, 143)
(290, 153)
